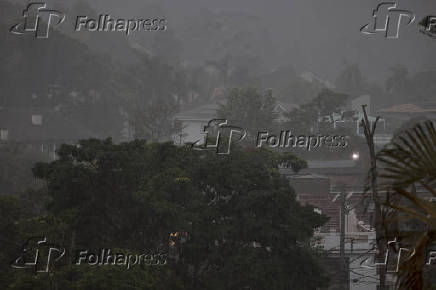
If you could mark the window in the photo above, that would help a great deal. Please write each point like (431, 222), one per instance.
(36, 119)
(4, 134)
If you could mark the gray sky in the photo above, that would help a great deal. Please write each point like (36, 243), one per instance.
(314, 35)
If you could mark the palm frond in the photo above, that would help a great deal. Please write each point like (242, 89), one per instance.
(411, 269)
(411, 159)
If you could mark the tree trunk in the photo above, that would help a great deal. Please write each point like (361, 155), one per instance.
(378, 218)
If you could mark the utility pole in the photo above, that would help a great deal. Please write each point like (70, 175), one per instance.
(343, 279)
(380, 239)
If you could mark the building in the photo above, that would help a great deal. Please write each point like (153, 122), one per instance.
(193, 122)
(281, 109)
(351, 117)
(399, 114)
(322, 185)
(39, 129)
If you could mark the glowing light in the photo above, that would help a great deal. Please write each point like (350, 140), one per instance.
(355, 156)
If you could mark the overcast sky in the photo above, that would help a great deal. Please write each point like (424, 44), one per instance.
(315, 35)
(312, 35)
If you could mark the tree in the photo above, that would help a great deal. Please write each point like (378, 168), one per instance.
(249, 108)
(305, 118)
(369, 131)
(226, 221)
(15, 163)
(399, 84)
(155, 122)
(163, 87)
(298, 90)
(167, 45)
(351, 80)
(329, 102)
(252, 232)
(410, 160)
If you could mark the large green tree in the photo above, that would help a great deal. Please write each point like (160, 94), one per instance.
(225, 221)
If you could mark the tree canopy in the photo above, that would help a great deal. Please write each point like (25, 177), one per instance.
(225, 221)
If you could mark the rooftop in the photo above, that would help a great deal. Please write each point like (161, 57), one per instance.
(203, 113)
(428, 107)
(40, 124)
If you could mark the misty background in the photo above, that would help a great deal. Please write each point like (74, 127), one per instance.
(84, 117)
(316, 36)
(105, 80)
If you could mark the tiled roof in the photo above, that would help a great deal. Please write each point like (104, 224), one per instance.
(327, 206)
(410, 108)
(331, 207)
(315, 189)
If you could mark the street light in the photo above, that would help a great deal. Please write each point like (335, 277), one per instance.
(355, 156)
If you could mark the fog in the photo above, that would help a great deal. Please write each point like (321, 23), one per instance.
(254, 144)
(316, 36)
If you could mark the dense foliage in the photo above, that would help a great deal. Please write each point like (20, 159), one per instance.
(226, 222)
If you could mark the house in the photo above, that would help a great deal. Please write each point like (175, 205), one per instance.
(351, 117)
(322, 185)
(193, 122)
(399, 114)
(40, 129)
(403, 112)
(281, 109)
(319, 185)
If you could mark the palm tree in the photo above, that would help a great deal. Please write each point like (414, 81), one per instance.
(410, 161)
